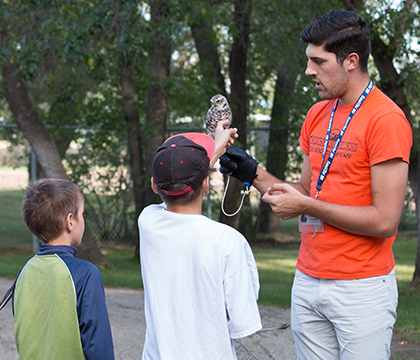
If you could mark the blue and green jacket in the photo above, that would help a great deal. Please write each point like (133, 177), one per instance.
(59, 308)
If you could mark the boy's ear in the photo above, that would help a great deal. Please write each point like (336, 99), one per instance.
(206, 185)
(69, 222)
(154, 186)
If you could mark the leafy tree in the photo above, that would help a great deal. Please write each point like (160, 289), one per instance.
(279, 56)
(133, 69)
(212, 68)
(25, 29)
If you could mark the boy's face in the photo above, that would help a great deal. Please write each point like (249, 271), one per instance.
(79, 225)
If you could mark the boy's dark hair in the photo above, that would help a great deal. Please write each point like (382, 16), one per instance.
(47, 203)
(342, 33)
(184, 199)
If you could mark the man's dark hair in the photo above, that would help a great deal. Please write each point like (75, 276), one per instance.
(342, 33)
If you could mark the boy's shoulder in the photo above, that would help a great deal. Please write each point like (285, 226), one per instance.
(152, 208)
(80, 266)
(67, 255)
(150, 215)
(223, 233)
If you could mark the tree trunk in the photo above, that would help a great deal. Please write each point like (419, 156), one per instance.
(134, 142)
(277, 147)
(205, 44)
(30, 124)
(157, 97)
(239, 106)
(41, 141)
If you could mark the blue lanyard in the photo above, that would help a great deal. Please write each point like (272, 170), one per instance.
(323, 173)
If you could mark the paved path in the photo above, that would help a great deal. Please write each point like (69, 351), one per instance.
(125, 307)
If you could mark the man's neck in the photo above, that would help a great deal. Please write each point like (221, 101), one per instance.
(355, 89)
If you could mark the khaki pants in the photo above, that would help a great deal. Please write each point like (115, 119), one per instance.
(343, 319)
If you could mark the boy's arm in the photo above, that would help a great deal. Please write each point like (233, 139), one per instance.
(95, 330)
(241, 287)
(222, 139)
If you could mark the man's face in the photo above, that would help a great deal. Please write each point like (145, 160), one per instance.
(329, 74)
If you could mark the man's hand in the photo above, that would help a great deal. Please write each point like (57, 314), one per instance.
(238, 163)
(286, 201)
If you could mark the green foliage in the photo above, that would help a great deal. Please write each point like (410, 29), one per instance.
(111, 217)
(277, 51)
(99, 166)
(71, 54)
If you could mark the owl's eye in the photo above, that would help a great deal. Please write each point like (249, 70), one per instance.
(218, 101)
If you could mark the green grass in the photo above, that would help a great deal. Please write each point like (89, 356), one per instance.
(126, 271)
(408, 319)
(290, 227)
(12, 262)
(12, 227)
(276, 270)
(276, 265)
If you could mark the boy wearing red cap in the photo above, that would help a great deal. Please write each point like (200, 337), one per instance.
(200, 277)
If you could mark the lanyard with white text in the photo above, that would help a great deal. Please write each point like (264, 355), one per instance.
(323, 173)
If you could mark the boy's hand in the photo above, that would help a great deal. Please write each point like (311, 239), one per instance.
(223, 138)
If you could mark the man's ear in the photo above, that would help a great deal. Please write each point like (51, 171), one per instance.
(206, 185)
(352, 61)
(154, 186)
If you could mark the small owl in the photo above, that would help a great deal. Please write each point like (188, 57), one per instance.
(219, 111)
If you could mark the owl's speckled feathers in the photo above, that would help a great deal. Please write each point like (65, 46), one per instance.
(219, 111)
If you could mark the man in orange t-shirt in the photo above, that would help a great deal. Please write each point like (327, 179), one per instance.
(356, 146)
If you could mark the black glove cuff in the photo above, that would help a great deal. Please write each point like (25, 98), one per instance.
(238, 163)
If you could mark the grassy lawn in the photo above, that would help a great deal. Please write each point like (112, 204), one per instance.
(276, 268)
(14, 233)
(276, 265)
(408, 320)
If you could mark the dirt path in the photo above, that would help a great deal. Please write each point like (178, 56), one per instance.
(125, 307)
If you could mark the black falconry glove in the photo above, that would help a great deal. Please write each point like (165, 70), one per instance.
(239, 164)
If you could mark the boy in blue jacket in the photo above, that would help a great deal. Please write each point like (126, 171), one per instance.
(59, 300)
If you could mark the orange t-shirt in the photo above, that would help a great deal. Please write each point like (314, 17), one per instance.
(377, 132)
